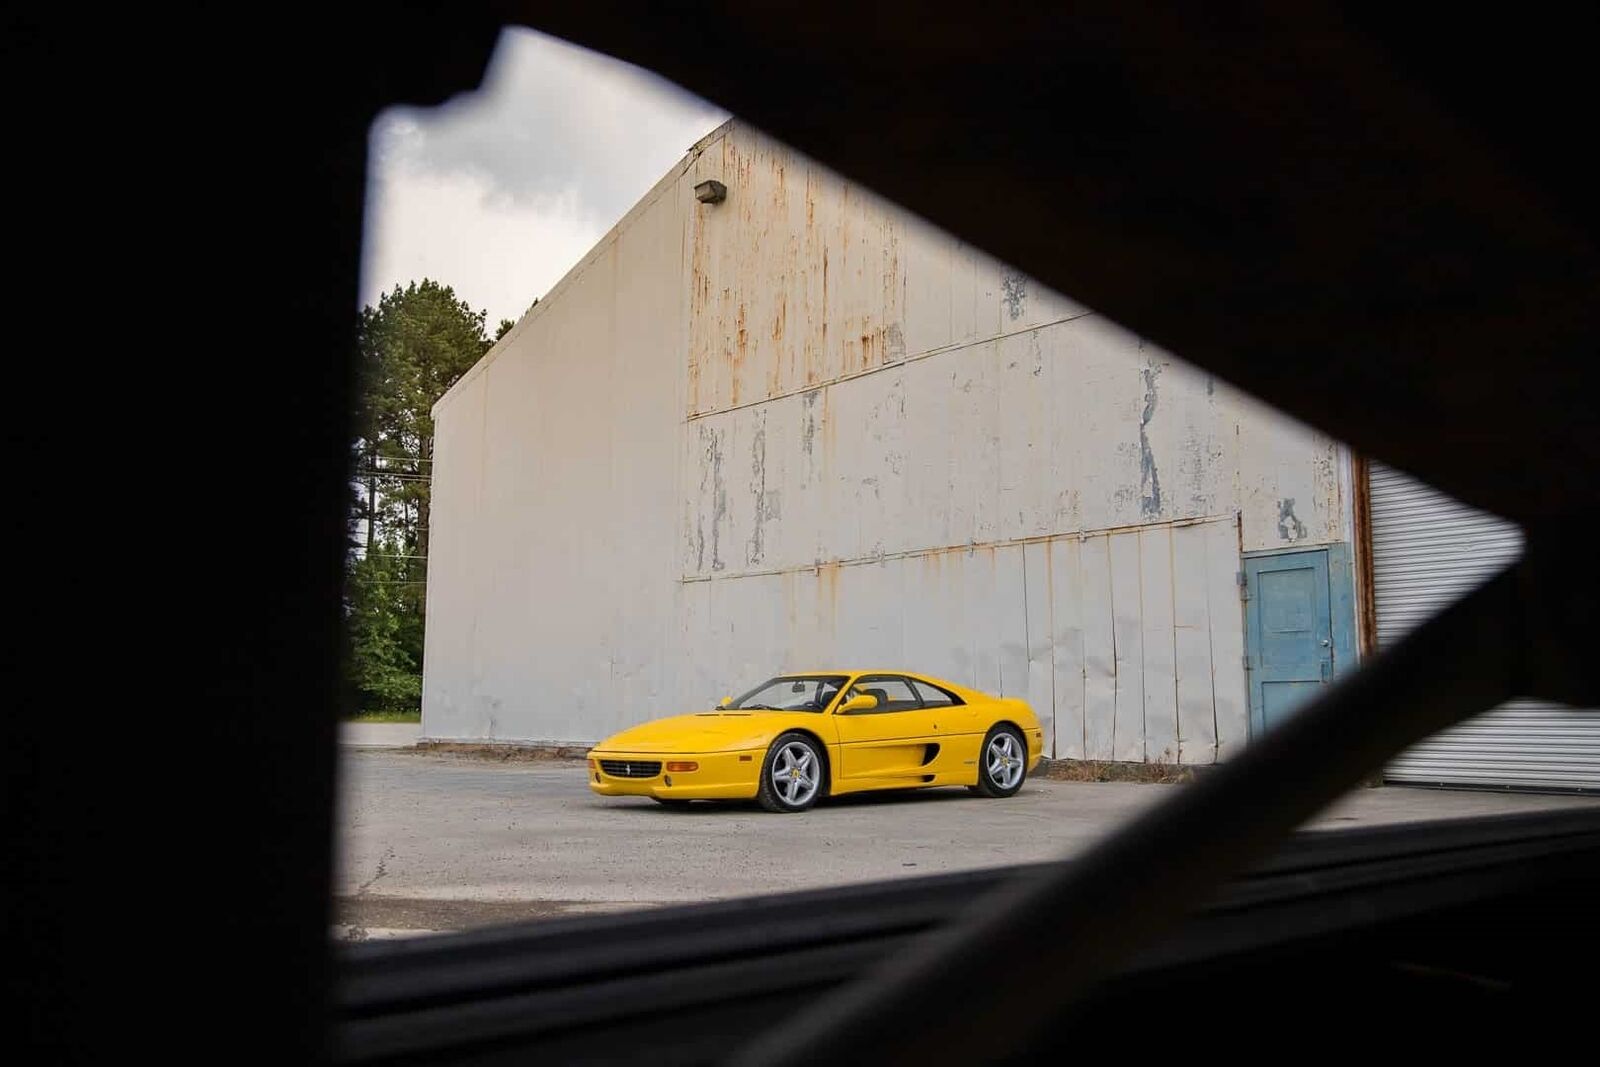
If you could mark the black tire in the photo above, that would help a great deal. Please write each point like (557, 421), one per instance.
(674, 803)
(988, 784)
(786, 752)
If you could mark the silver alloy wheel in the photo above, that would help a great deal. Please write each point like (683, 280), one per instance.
(796, 773)
(1006, 762)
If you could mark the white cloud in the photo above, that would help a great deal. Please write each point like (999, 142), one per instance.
(500, 192)
(496, 255)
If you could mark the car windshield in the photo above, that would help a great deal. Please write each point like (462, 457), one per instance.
(791, 692)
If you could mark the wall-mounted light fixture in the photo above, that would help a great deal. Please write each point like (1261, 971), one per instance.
(711, 192)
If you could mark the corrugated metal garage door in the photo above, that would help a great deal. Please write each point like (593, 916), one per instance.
(1427, 550)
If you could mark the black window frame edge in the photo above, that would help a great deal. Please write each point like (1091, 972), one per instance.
(547, 987)
(891, 676)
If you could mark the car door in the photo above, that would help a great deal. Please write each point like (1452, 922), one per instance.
(895, 740)
(958, 728)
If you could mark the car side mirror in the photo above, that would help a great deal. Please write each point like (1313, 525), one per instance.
(864, 702)
(724, 702)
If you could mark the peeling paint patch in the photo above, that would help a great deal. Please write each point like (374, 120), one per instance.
(1290, 528)
(758, 488)
(808, 429)
(894, 343)
(1149, 477)
(1014, 291)
(711, 440)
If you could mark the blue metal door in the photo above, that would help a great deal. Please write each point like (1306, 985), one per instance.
(1289, 633)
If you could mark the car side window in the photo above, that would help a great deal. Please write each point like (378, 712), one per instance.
(934, 697)
(894, 694)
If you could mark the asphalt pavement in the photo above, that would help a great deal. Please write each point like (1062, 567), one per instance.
(435, 842)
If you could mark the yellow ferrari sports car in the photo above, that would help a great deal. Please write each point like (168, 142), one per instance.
(797, 738)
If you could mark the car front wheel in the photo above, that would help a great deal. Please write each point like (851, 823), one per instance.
(791, 775)
(1003, 763)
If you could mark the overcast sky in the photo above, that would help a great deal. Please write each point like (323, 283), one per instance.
(500, 192)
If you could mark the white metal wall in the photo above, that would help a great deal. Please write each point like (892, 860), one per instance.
(1127, 643)
(552, 597)
(1429, 549)
(802, 429)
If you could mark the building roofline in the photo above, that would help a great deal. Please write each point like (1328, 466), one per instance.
(670, 178)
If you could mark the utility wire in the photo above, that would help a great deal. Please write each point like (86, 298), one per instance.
(404, 476)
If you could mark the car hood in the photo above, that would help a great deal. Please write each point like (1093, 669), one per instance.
(711, 731)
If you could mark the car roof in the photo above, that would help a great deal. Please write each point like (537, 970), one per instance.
(918, 675)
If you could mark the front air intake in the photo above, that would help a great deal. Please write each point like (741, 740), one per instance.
(630, 768)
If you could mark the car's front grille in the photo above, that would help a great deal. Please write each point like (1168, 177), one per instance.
(631, 768)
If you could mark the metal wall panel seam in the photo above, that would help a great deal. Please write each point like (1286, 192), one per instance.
(967, 547)
(901, 362)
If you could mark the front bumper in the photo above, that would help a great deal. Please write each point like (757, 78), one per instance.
(719, 776)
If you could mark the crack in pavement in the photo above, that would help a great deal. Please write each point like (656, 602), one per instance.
(383, 869)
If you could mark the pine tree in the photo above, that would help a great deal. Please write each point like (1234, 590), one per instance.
(413, 346)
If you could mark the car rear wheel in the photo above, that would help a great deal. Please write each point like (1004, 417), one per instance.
(792, 774)
(1002, 763)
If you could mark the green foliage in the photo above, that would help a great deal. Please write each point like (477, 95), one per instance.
(403, 715)
(413, 346)
(385, 611)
